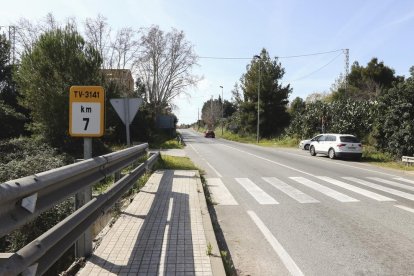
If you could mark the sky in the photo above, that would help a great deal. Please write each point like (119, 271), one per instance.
(241, 28)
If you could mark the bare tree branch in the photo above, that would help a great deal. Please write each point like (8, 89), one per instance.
(165, 63)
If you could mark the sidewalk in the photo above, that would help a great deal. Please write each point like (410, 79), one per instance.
(164, 231)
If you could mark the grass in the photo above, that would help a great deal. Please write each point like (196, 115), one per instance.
(166, 142)
(170, 144)
(251, 139)
(370, 154)
(174, 163)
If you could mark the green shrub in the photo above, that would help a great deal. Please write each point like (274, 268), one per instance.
(21, 157)
(25, 156)
(11, 121)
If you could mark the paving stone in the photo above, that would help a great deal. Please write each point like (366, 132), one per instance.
(160, 232)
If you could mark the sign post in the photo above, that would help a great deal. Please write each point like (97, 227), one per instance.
(127, 108)
(86, 119)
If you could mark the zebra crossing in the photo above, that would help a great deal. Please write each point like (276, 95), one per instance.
(295, 189)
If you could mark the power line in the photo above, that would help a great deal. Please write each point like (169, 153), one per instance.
(320, 68)
(293, 56)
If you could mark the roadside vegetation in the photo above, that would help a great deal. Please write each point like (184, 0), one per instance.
(371, 102)
(46, 59)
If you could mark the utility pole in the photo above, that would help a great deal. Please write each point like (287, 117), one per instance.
(346, 52)
(258, 98)
(211, 111)
(222, 110)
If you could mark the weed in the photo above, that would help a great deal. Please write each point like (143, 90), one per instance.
(209, 249)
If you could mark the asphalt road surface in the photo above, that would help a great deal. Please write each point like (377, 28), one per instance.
(284, 212)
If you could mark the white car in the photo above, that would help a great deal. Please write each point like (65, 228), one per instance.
(337, 145)
(304, 144)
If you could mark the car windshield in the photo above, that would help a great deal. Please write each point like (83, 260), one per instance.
(349, 139)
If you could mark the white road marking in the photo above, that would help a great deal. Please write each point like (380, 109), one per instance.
(392, 183)
(162, 263)
(324, 190)
(289, 190)
(299, 155)
(220, 194)
(381, 188)
(405, 208)
(268, 160)
(404, 180)
(358, 190)
(215, 171)
(261, 196)
(291, 266)
(170, 205)
(196, 151)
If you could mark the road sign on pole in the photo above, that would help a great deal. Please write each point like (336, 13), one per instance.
(127, 108)
(86, 119)
(86, 111)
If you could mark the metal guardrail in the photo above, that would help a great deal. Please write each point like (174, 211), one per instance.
(407, 159)
(23, 199)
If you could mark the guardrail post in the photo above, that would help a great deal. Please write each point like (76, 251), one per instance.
(83, 246)
(117, 176)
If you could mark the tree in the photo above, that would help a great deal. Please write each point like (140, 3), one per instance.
(58, 60)
(11, 121)
(366, 83)
(7, 86)
(164, 65)
(12, 115)
(298, 105)
(98, 33)
(211, 112)
(352, 116)
(273, 96)
(394, 130)
(228, 108)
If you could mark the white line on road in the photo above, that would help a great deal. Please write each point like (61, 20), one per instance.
(404, 180)
(299, 155)
(392, 183)
(271, 161)
(291, 266)
(354, 189)
(405, 208)
(381, 188)
(261, 196)
(196, 151)
(289, 190)
(220, 194)
(215, 171)
(325, 190)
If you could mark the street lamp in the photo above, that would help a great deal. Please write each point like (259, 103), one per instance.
(258, 98)
(222, 109)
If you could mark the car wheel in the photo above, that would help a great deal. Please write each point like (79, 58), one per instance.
(312, 151)
(331, 153)
(306, 147)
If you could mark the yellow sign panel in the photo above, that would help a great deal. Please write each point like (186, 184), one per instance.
(86, 111)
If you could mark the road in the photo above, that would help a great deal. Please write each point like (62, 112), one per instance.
(283, 212)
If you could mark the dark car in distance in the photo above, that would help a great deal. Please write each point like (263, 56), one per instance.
(209, 134)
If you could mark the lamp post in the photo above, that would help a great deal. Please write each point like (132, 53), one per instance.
(258, 99)
(211, 112)
(222, 109)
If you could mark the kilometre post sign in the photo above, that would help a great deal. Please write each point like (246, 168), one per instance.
(86, 111)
